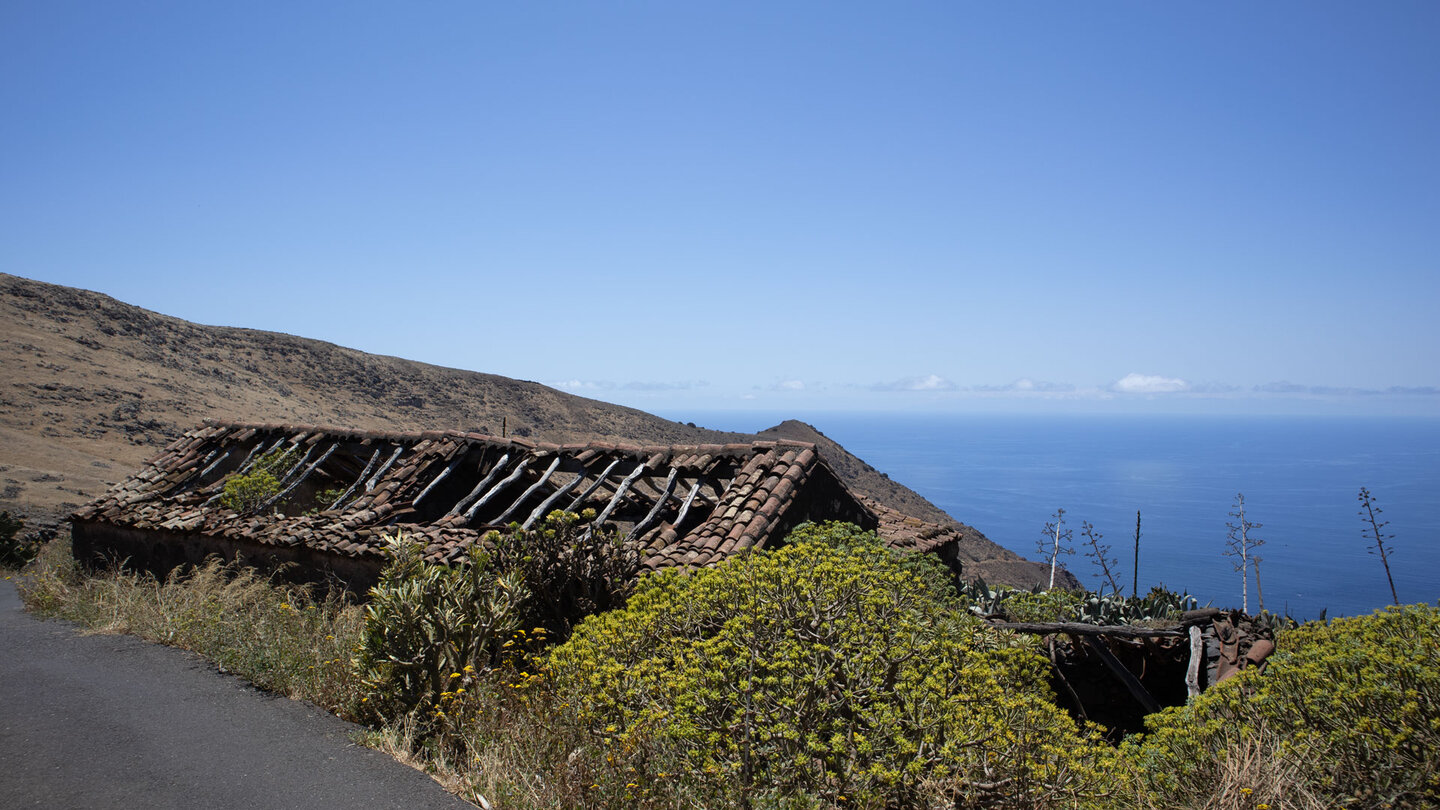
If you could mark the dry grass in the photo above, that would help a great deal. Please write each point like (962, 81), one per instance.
(281, 639)
(1251, 773)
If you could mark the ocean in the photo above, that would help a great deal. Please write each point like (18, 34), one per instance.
(1007, 475)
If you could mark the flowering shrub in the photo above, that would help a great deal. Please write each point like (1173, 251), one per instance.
(1353, 706)
(830, 668)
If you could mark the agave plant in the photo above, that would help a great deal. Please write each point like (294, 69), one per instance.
(1113, 609)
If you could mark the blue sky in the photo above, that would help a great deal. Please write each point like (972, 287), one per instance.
(769, 206)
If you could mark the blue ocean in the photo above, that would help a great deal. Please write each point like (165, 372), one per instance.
(1007, 475)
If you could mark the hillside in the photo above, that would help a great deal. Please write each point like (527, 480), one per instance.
(93, 386)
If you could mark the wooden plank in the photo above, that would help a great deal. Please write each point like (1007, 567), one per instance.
(445, 473)
(480, 487)
(370, 485)
(500, 487)
(579, 499)
(530, 490)
(544, 507)
(654, 514)
(1126, 677)
(620, 492)
(374, 457)
(1078, 629)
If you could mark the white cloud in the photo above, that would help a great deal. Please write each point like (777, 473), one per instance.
(790, 385)
(664, 386)
(582, 385)
(1133, 383)
(930, 382)
(1025, 385)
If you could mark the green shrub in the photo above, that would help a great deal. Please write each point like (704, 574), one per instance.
(15, 550)
(569, 569)
(1353, 706)
(431, 629)
(829, 669)
(248, 492)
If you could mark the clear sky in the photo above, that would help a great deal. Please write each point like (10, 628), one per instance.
(947, 205)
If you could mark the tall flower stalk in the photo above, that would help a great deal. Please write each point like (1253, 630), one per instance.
(1374, 531)
(1242, 545)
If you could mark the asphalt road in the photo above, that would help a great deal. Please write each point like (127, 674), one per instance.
(114, 722)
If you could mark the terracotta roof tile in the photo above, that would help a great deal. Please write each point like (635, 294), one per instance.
(726, 517)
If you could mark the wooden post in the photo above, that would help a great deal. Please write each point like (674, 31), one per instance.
(1197, 655)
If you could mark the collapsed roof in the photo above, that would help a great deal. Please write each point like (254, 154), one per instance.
(341, 491)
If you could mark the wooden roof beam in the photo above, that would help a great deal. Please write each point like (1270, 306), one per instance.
(498, 488)
(620, 492)
(370, 485)
(374, 457)
(579, 499)
(445, 473)
(654, 515)
(545, 505)
(286, 491)
(480, 487)
(530, 490)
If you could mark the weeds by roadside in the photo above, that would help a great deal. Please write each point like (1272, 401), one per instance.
(282, 639)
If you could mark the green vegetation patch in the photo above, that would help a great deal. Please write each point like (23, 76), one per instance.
(831, 668)
(248, 492)
(1349, 711)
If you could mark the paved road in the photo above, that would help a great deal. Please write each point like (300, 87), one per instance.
(114, 722)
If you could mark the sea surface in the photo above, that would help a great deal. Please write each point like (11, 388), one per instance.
(1007, 476)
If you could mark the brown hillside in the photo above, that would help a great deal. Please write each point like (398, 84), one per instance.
(91, 387)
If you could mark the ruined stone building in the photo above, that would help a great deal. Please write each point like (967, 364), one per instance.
(341, 491)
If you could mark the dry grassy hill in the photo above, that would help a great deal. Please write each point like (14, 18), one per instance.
(91, 387)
